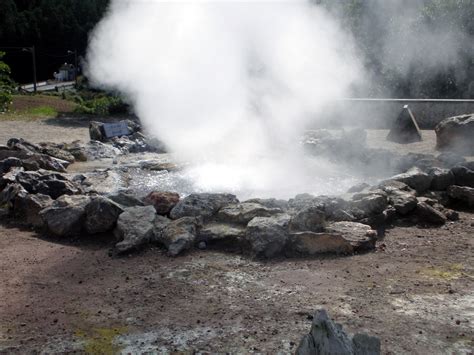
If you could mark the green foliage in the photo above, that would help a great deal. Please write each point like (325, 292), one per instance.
(6, 85)
(102, 105)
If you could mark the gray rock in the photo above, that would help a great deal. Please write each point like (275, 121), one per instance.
(429, 215)
(310, 244)
(29, 206)
(101, 215)
(441, 178)
(205, 205)
(96, 131)
(370, 203)
(9, 194)
(125, 199)
(267, 236)
(270, 203)
(327, 338)
(180, 235)
(8, 163)
(403, 202)
(56, 151)
(66, 216)
(462, 194)
(244, 212)
(308, 219)
(358, 187)
(222, 236)
(415, 178)
(10, 177)
(360, 236)
(450, 159)
(134, 227)
(47, 183)
(159, 224)
(455, 134)
(304, 200)
(463, 176)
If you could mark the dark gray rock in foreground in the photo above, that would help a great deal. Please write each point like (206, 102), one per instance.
(179, 235)
(429, 215)
(244, 212)
(462, 194)
(455, 134)
(415, 178)
(328, 338)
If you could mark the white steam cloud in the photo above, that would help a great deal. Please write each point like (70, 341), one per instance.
(228, 86)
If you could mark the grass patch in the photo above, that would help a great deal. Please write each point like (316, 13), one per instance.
(34, 107)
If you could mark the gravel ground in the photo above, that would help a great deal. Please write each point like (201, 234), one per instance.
(61, 296)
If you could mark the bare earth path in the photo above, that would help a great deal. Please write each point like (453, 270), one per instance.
(416, 292)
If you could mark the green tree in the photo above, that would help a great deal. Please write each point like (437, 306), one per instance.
(6, 85)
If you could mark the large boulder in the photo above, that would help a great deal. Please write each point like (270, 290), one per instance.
(463, 176)
(429, 215)
(9, 194)
(29, 206)
(360, 236)
(205, 205)
(134, 227)
(101, 215)
(267, 236)
(179, 235)
(327, 337)
(125, 199)
(415, 178)
(56, 151)
(163, 201)
(462, 194)
(370, 203)
(66, 216)
(309, 218)
(403, 202)
(441, 179)
(8, 163)
(47, 183)
(244, 212)
(455, 134)
(222, 236)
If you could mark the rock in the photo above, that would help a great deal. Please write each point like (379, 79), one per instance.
(47, 183)
(441, 178)
(305, 200)
(43, 161)
(101, 215)
(405, 129)
(98, 150)
(411, 160)
(327, 337)
(450, 159)
(163, 201)
(134, 227)
(455, 134)
(159, 224)
(358, 187)
(56, 151)
(462, 194)
(310, 244)
(267, 236)
(360, 236)
(463, 176)
(29, 206)
(205, 205)
(244, 212)
(222, 236)
(66, 216)
(370, 203)
(270, 203)
(77, 150)
(96, 131)
(180, 235)
(8, 163)
(125, 199)
(9, 194)
(9, 177)
(415, 178)
(429, 215)
(103, 182)
(403, 202)
(310, 219)
(451, 215)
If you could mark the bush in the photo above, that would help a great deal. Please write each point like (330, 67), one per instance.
(102, 105)
(6, 85)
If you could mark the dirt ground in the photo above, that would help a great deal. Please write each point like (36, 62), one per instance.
(415, 292)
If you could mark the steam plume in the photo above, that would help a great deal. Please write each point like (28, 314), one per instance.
(228, 86)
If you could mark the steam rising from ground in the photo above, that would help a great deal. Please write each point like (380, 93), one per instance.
(228, 86)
